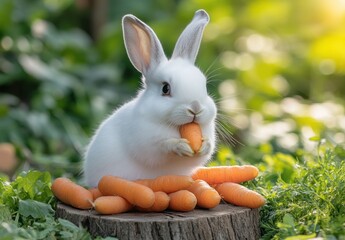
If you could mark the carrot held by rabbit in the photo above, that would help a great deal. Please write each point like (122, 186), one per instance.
(192, 132)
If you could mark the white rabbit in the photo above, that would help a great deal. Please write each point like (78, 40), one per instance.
(141, 139)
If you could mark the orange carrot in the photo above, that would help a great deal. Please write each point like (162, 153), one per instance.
(161, 203)
(206, 196)
(95, 193)
(192, 132)
(134, 193)
(71, 193)
(167, 183)
(111, 205)
(182, 201)
(220, 174)
(239, 195)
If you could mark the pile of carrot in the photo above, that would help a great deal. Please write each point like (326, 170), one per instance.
(204, 189)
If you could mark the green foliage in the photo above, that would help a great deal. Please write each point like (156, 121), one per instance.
(46, 229)
(26, 210)
(32, 185)
(34, 209)
(309, 203)
(55, 83)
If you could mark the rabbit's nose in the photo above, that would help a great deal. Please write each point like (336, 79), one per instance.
(195, 108)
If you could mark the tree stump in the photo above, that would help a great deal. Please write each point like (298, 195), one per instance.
(222, 222)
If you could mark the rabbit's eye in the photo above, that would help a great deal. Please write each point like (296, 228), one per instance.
(166, 89)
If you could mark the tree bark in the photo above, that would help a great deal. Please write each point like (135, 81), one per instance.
(223, 222)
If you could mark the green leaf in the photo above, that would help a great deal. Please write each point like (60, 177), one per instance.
(68, 225)
(289, 220)
(66, 235)
(301, 237)
(34, 209)
(5, 214)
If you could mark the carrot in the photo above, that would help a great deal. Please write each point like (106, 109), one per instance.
(207, 197)
(167, 183)
(220, 174)
(134, 193)
(239, 195)
(71, 193)
(95, 193)
(161, 203)
(192, 132)
(111, 205)
(182, 201)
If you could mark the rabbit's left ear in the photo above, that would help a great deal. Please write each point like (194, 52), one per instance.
(188, 44)
(143, 47)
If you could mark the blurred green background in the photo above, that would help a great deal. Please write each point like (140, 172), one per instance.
(276, 70)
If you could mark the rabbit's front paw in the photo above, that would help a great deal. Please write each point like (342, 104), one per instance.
(183, 149)
(205, 147)
(179, 146)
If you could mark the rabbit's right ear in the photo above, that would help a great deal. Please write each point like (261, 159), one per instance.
(143, 47)
(188, 44)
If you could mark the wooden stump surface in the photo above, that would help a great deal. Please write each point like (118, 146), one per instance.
(223, 222)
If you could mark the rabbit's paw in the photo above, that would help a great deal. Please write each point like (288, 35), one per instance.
(183, 149)
(179, 146)
(205, 147)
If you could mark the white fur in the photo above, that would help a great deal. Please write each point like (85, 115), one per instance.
(141, 139)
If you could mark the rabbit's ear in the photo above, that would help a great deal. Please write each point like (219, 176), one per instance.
(188, 44)
(143, 47)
